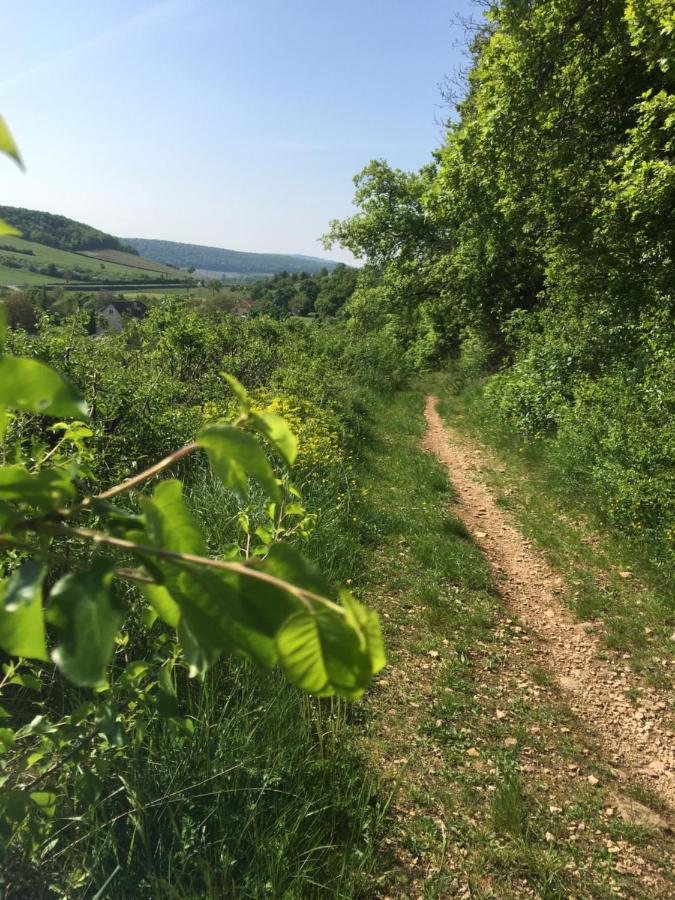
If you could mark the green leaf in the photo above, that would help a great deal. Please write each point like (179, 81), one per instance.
(7, 144)
(22, 629)
(369, 623)
(234, 456)
(47, 489)
(29, 385)
(324, 654)
(82, 608)
(162, 602)
(45, 801)
(277, 430)
(168, 521)
(198, 657)
(240, 392)
(6, 739)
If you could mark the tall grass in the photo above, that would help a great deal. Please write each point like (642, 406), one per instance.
(266, 798)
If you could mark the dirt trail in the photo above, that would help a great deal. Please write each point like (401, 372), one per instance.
(636, 741)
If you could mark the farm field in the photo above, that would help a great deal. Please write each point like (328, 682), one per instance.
(88, 267)
(119, 257)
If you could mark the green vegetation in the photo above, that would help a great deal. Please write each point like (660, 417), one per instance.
(484, 766)
(59, 231)
(216, 260)
(607, 577)
(25, 262)
(538, 245)
(151, 388)
(323, 294)
(193, 563)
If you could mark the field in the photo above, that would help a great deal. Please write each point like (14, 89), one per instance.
(118, 257)
(53, 266)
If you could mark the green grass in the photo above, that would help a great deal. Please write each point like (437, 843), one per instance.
(96, 269)
(488, 765)
(419, 790)
(19, 277)
(118, 257)
(636, 608)
(269, 797)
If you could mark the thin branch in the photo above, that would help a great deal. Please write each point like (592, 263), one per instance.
(142, 476)
(100, 537)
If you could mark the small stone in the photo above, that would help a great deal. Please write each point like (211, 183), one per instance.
(555, 810)
(592, 780)
(481, 534)
(472, 751)
(433, 654)
(549, 837)
(500, 714)
(626, 574)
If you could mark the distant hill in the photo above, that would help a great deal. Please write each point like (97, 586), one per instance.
(219, 260)
(60, 232)
(31, 263)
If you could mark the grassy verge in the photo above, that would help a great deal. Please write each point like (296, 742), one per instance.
(488, 768)
(606, 577)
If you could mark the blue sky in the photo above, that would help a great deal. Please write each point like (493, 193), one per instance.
(236, 123)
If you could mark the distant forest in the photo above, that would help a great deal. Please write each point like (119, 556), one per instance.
(216, 259)
(59, 231)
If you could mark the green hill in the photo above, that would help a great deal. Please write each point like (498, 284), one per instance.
(218, 259)
(59, 231)
(27, 263)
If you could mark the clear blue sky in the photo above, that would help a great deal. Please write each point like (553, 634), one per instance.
(236, 123)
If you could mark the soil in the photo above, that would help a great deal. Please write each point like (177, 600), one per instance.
(634, 736)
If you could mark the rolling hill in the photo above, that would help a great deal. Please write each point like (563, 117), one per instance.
(230, 262)
(29, 263)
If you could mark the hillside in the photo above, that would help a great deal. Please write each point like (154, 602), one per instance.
(59, 231)
(26, 262)
(218, 259)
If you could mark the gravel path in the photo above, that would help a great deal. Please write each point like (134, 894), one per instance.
(637, 741)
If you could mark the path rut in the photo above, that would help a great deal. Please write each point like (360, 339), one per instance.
(637, 742)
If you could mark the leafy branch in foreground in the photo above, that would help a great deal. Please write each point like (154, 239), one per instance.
(272, 607)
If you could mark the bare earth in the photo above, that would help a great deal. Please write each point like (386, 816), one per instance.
(635, 740)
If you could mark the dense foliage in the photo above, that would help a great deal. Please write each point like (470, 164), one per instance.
(59, 231)
(219, 260)
(539, 242)
(324, 294)
(149, 389)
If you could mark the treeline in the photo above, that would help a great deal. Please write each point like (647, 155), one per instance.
(300, 294)
(59, 231)
(537, 245)
(221, 260)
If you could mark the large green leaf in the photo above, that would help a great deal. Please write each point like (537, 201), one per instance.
(368, 622)
(162, 602)
(268, 605)
(169, 523)
(47, 489)
(86, 616)
(7, 144)
(234, 456)
(324, 654)
(240, 392)
(22, 629)
(29, 385)
(276, 429)
(216, 615)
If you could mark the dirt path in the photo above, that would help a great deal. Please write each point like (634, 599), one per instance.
(597, 684)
